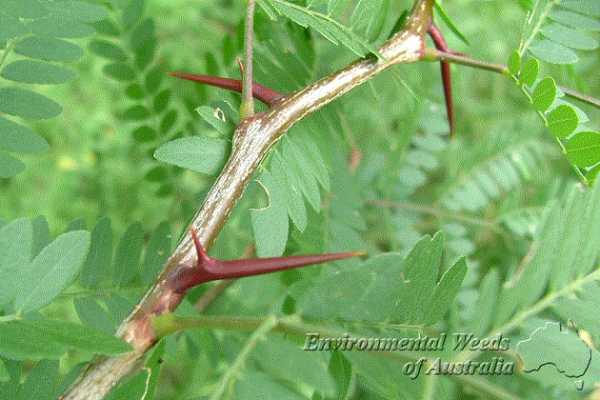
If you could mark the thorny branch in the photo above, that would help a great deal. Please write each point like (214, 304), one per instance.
(254, 137)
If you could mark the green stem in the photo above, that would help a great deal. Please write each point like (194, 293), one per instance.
(169, 323)
(535, 309)
(436, 55)
(429, 387)
(8, 318)
(438, 213)
(234, 370)
(538, 26)
(6, 52)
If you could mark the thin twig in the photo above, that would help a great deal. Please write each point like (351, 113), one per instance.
(438, 213)
(7, 49)
(247, 107)
(580, 96)
(454, 58)
(235, 369)
(502, 69)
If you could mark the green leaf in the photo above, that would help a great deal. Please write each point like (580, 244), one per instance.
(587, 7)
(336, 6)
(77, 10)
(154, 79)
(583, 149)
(168, 121)
(136, 113)
(91, 313)
(575, 20)
(286, 361)
(107, 27)
(135, 91)
(488, 294)
(98, 261)
(529, 72)
(108, 50)
(569, 37)
(11, 27)
(323, 24)
(157, 252)
(198, 153)
(60, 27)
(41, 234)
(292, 192)
(144, 134)
(49, 339)
(38, 72)
(24, 8)
(142, 34)
(270, 224)
(10, 166)
(369, 18)
(119, 71)
(514, 63)
(341, 370)
(78, 224)
(16, 241)
(562, 121)
(41, 382)
(208, 115)
(552, 52)
(161, 101)
(52, 271)
(442, 13)
(258, 385)
(446, 291)
(133, 12)
(303, 169)
(157, 174)
(127, 256)
(27, 104)
(48, 49)
(4, 375)
(143, 42)
(544, 94)
(19, 138)
(386, 287)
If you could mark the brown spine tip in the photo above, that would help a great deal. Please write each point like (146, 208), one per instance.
(441, 44)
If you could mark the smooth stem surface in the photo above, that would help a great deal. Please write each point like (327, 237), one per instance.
(247, 107)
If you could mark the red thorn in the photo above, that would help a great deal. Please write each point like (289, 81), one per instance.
(211, 269)
(260, 92)
(440, 44)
